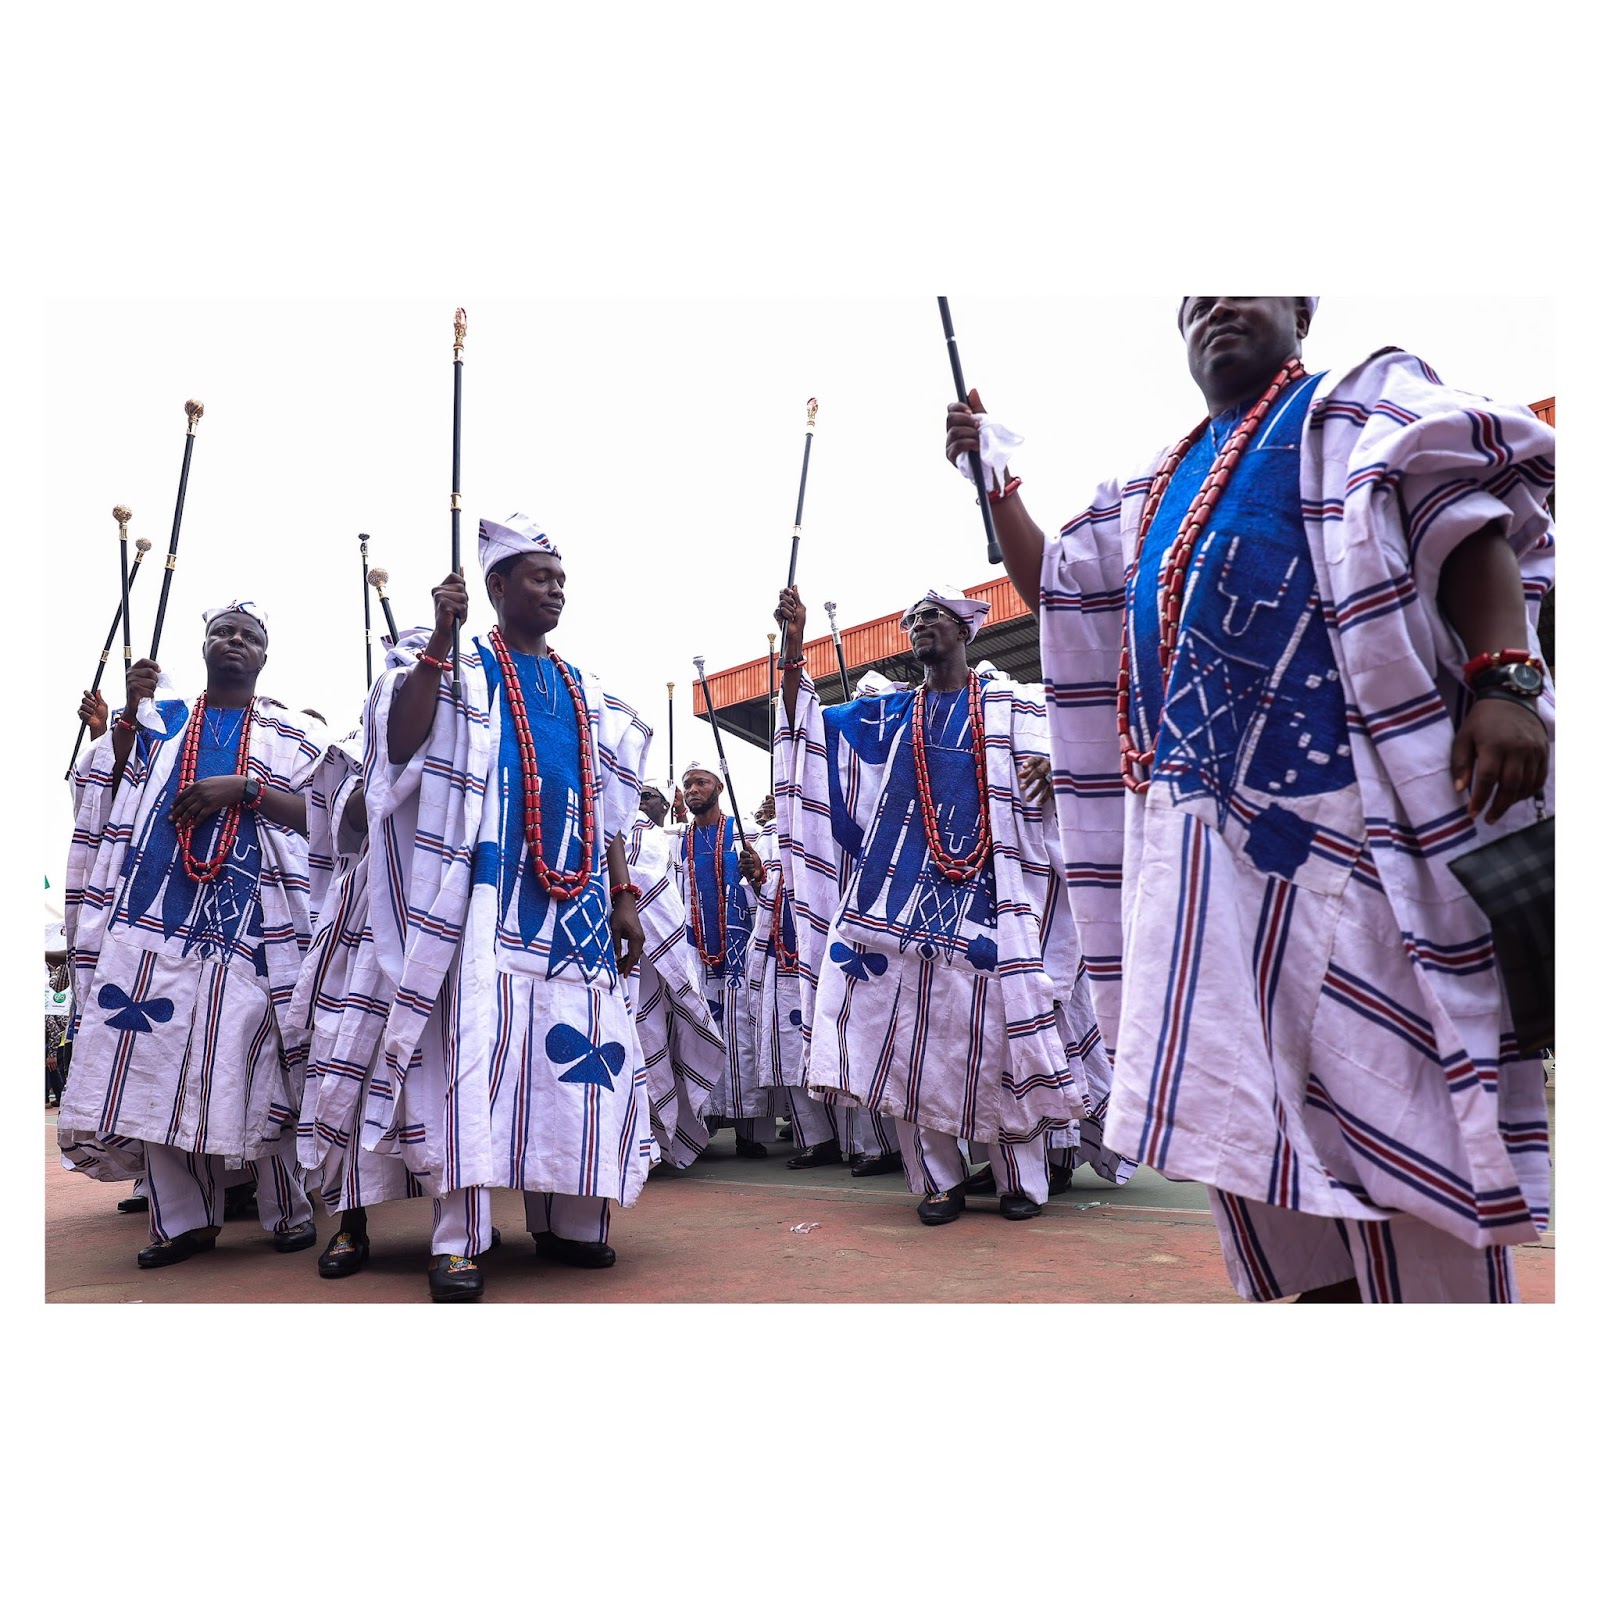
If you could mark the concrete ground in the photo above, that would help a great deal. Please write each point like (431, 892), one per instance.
(726, 1231)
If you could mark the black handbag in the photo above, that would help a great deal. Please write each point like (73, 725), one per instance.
(1513, 881)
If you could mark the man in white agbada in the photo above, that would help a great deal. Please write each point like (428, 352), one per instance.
(188, 912)
(937, 954)
(342, 998)
(1287, 683)
(683, 1048)
(498, 883)
(720, 901)
(770, 1016)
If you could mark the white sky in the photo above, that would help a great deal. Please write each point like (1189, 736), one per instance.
(658, 440)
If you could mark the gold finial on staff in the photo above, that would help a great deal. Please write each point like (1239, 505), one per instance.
(122, 514)
(461, 329)
(140, 545)
(377, 577)
(194, 411)
(811, 415)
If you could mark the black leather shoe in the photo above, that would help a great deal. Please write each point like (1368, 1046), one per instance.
(873, 1166)
(980, 1182)
(169, 1251)
(826, 1154)
(134, 1202)
(239, 1201)
(454, 1278)
(346, 1254)
(494, 1238)
(300, 1238)
(786, 1131)
(1018, 1207)
(1060, 1179)
(945, 1207)
(574, 1252)
(748, 1148)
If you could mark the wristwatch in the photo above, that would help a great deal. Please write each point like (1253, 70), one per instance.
(252, 793)
(1522, 678)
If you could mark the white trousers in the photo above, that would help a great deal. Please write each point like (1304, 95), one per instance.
(1272, 1253)
(462, 1225)
(868, 1134)
(185, 1192)
(934, 1164)
(762, 1129)
(813, 1119)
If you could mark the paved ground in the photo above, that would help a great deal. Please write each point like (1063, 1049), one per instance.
(725, 1231)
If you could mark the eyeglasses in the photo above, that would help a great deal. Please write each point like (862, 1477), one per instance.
(927, 616)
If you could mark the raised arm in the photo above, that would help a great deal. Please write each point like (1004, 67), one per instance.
(1021, 538)
(411, 711)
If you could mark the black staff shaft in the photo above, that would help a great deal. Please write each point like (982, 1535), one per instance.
(455, 522)
(799, 510)
(838, 651)
(127, 583)
(671, 764)
(722, 759)
(974, 460)
(172, 547)
(366, 606)
(105, 655)
(388, 616)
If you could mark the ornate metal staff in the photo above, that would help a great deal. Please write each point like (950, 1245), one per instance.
(366, 602)
(772, 712)
(838, 650)
(139, 546)
(800, 504)
(455, 502)
(974, 460)
(722, 759)
(669, 732)
(122, 513)
(377, 578)
(194, 411)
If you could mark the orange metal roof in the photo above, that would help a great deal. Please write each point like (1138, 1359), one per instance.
(1545, 411)
(864, 644)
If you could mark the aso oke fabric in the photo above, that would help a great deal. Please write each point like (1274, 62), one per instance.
(183, 989)
(1324, 1033)
(342, 998)
(509, 1056)
(952, 1007)
(771, 1014)
(683, 1049)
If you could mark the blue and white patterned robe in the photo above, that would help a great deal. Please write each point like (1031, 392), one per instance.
(683, 1048)
(955, 1007)
(1301, 999)
(509, 1055)
(183, 989)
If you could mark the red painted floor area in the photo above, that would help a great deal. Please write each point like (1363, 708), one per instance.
(720, 1233)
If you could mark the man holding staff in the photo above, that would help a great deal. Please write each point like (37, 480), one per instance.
(719, 890)
(503, 913)
(937, 955)
(188, 912)
(1289, 677)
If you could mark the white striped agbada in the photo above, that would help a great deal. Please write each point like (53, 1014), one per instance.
(1332, 1040)
(973, 1027)
(771, 1013)
(683, 1048)
(475, 1084)
(182, 990)
(342, 998)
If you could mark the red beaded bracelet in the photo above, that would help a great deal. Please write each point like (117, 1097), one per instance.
(627, 888)
(424, 659)
(1010, 486)
(797, 665)
(1496, 658)
(125, 721)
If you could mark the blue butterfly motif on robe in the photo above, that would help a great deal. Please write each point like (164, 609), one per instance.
(716, 1011)
(795, 1020)
(596, 1064)
(863, 967)
(132, 1016)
